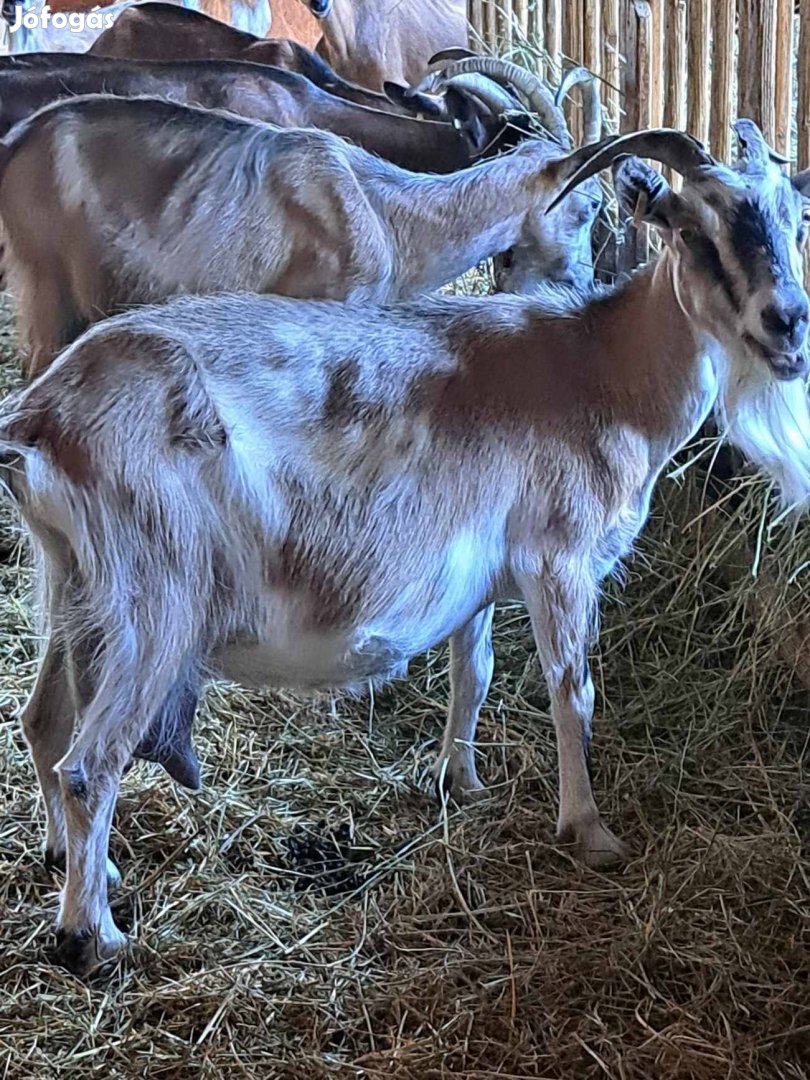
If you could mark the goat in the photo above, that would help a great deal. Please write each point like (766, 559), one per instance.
(165, 31)
(147, 199)
(32, 27)
(308, 494)
(371, 41)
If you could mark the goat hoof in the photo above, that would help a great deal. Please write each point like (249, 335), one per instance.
(594, 843)
(55, 860)
(458, 781)
(82, 951)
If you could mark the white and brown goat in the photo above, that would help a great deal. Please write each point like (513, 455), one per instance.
(308, 494)
(147, 199)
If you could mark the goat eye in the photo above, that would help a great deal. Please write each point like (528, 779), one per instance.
(689, 236)
(806, 216)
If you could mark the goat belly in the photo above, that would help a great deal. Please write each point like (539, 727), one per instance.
(312, 661)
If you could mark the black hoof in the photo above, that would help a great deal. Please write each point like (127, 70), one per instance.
(78, 951)
(75, 950)
(55, 860)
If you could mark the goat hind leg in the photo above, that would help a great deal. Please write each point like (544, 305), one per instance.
(471, 666)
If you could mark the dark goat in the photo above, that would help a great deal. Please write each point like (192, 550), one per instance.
(167, 32)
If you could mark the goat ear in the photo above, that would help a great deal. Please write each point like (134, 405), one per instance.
(801, 181)
(463, 114)
(645, 195)
(418, 104)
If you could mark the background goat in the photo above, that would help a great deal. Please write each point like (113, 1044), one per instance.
(252, 16)
(165, 31)
(371, 41)
(309, 494)
(146, 199)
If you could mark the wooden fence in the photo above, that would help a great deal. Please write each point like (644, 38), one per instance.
(692, 64)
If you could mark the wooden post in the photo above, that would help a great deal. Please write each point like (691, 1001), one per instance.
(592, 37)
(657, 64)
(554, 39)
(521, 18)
(476, 14)
(612, 64)
(784, 76)
(723, 42)
(767, 60)
(749, 73)
(675, 64)
(572, 48)
(675, 95)
(803, 108)
(490, 25)
(698, 99)
(644, 77)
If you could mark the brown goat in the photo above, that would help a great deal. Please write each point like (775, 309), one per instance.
(147, 199)
(308, 494)
(164, 31)
(372, 41)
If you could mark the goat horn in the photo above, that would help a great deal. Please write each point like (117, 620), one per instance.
(672, 148)
(754, 150)
(445, 56)
(489, 93)
(591, 102)
(538, 97)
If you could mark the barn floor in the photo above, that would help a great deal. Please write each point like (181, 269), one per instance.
(312, 914)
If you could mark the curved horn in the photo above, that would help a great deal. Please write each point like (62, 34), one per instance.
(489, 93)
(675, 149)
(591, 102)
(754, 150)
(445, 56)
(539, 98)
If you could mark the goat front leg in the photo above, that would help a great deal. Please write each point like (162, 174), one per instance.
(562, 606)
(471, 666)
(47, 721)
(86, 933)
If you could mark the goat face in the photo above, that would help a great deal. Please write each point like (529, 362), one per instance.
(321, 9)
(735, 237)
(558, 246)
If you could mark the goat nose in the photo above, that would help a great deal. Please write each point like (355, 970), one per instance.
(787, 318)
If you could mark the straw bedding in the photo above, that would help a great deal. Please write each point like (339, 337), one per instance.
(312, 914)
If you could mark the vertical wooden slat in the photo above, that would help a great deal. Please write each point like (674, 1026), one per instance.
(536, 31)
(612, 63)
(675, 37)
(592, 36)
(521, 18)
(657, 64)
(749, 86)
(784, 75)
(629, 31)
(699, 99)
(803, 108)
(554, 38)
(767, 60)
(490, 24)
(675, 96)
(723, 41)
(644, 76)
(503, 22)
(476, 15)
(572, 49)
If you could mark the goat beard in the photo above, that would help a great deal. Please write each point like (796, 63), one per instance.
(769, 421)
